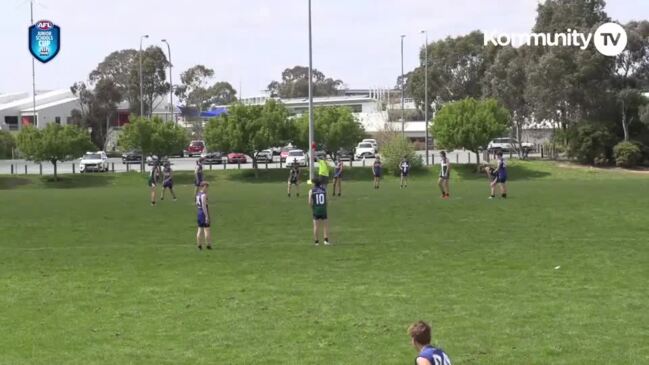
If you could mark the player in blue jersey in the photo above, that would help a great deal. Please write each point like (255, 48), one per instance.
(154, 177)
(499, 177)
(338, 176)
(377, 171)
(444, 176)
(318, 204)
(428, 355)
(203, 217)
(404, 168)
(167, 181)
(198, 175)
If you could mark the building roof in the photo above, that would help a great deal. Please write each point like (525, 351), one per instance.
(46, 96)
(50, 105)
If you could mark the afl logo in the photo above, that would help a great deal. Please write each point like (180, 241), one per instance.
(44, 25)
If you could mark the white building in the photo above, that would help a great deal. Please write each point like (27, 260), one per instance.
(17, 109)
(368, 109)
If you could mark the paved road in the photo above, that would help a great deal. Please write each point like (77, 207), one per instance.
(188, 164)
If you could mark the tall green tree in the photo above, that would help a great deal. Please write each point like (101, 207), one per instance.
(153, 137)
(631, 76)
(295, 84)
(249, 128)
(98, 108)
(193, 88)
(470, 124)
(456, 67)
(567, 84)
(54, 143)
(7, 144)
(335, 128)
(123, 69)
(506, 81)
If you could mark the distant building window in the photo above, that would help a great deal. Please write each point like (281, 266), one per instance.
(27, 120)
(12, 123)
(57, 120)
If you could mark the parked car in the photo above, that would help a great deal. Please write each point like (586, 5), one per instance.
(365, 150)
(236, 157)
(94, 161)
(213, 158)
(373, 142)
(195, 148)
(264, 156)
(151, 160)
(507, 144)
(345, 154)
(132, 157)
(296, 157)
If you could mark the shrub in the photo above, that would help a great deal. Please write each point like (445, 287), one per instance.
(591, 144)
(394, 149)
(627, 154)
(7, 143)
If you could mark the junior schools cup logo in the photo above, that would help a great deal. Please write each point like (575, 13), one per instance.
(44, 40)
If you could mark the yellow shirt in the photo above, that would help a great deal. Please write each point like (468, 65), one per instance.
(323, 168)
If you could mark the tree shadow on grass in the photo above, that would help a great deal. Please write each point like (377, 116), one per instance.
(76, 181)
(281, 175)
(514, 173)
(10, 182)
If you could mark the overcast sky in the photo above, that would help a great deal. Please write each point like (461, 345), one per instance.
(250, 42)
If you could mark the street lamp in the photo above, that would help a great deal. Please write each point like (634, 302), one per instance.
(311, 150)
(403, 128)
(141, 82)
(426, 92)
(171, 91)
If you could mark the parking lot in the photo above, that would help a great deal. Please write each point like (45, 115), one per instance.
(22, 167)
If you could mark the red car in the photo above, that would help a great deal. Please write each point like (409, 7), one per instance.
(236, 157)
(195, 148)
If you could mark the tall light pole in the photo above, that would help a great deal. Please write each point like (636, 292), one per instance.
(171, 82)
(141, 82)
(426, 92)
(31, 11)
(311, 154)
(403, 126)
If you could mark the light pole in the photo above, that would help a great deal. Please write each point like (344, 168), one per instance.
(426, 92)
(34, 121)
(171, 91)
(141, 82)
(311, 154)
(403, 126)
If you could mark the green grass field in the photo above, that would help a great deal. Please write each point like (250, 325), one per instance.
(91, 274)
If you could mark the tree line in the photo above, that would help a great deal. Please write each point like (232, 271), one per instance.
(592, 101)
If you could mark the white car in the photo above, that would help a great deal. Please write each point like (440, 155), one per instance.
(94, 161)
(373, 142)
(296, 157)
(365, 150)
(507, 144)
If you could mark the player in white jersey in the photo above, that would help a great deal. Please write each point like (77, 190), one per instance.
(444, 176)
(203, 217)
(404, 168)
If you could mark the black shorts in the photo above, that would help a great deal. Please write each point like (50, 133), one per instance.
(500, 179)
(293, 181)
(168, 184)
(404, 173)
(320, 217)
(324, 179)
